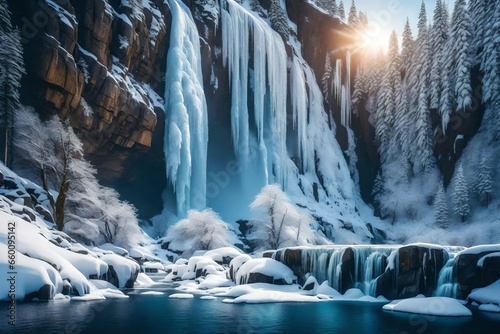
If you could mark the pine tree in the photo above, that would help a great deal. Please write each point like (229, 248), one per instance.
(461, 194)
(333, 8)
(341, 10)
(359, 93)
(441, 207)
(11, 73)
(325, 80)
(477, 10)
(459, 56)
(378, 188)
(279, 19)
(419, 94)
(490, 67)
(387, 100)
(353, 15)
(484, 187)
(439, 36)
(408, 48)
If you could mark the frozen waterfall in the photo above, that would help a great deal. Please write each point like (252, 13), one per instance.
(186, 123)
(262, 147)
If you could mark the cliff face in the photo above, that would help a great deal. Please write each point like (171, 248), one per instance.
(101, 65)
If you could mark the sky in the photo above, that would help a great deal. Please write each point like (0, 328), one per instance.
(388, 15)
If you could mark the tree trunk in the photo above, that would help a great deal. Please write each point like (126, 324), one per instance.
(61, 203)
(45, 186)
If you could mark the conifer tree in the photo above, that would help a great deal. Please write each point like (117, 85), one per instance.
(439, 37)
(325, 80)
(353, 15)
(484, 187)
(11, 73)
(477, 11)
(341, 10)
(441, 207)
(407, 49)
(459, 56)
(461, 194)
(279, 19)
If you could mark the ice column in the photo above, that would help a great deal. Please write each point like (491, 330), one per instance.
(186, 123)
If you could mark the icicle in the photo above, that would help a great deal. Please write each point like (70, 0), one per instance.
(186, 123)
(239, 28)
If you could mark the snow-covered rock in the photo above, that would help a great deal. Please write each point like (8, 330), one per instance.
(438, 306)
(487, 295)
(223, 255)
(265, 271)
(236, 264)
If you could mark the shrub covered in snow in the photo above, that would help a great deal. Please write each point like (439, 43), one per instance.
(202, 230)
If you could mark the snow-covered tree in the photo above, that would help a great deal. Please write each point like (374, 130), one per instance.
(11, 73)
(378, 188)
(477, 12)
(441, 207)
(407, 49)
(459, 55)
(32, 145)
(359, 94)
(279, 19)
(332, 7)
(341, 10)
(490, 67)
(485, 181)
(280, 224)
(325, 80)
(439, 37)
(353, 19)
(460, 194)
(201, 230)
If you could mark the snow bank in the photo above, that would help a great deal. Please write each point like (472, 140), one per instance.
(181, 296)
(260, 297)
(268, 267)
(480, 262)
(143, 280)
(487, 295)
(223, 255)
(438, 306)
(481, 249)
(125, 269)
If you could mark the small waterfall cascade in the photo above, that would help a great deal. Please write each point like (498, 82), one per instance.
(447, 286)
(345, 266)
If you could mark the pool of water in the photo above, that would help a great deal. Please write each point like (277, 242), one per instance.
(159, 314)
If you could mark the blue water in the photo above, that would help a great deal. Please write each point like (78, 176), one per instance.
(159, 314)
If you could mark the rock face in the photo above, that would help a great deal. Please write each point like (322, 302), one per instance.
(470, 275)
(101, 65)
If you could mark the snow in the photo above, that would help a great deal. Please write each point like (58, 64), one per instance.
(181, 296)
(219, 254)
(438, 306)
(215, 281)
(481, 249)
(208, 298)
(186, 123)
(115, 249)
(124, 268)
(268, 267)
(152, 293)
(480, 262)
(143, 280)
(260, 297)
(105, 289)
(487, 295)
(489, 308)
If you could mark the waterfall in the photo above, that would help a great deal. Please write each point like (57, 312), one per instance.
(342, 89)
(325, 264)
(446, 286)
(264, 146)
(186, 122)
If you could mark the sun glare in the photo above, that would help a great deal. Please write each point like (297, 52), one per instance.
(370, 42)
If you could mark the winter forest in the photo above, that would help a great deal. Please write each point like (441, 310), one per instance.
(250, 151)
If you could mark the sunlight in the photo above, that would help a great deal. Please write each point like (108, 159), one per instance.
(371, 42)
